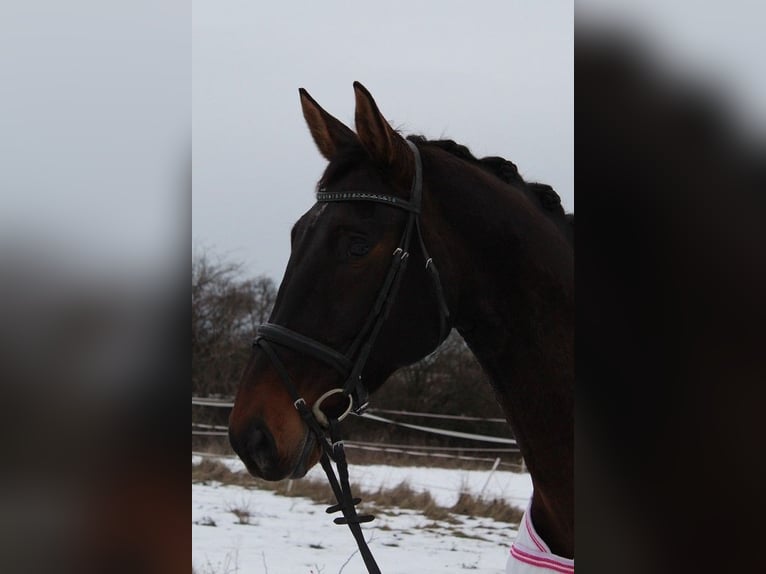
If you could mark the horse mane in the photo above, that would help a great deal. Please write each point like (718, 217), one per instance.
(542, 195)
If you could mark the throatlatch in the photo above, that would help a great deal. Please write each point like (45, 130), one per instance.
(351, 363)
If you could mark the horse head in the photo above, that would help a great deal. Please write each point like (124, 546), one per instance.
(337, 301)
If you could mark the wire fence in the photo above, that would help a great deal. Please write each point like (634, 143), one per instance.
(443, 452)
(228, 403)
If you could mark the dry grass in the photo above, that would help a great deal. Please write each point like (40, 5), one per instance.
(496, 509)
(312, 489)
(400, 496)
(211, 470)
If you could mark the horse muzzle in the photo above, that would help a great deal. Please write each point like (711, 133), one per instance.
(257, 448)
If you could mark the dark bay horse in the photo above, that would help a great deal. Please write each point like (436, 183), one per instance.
(505, 255)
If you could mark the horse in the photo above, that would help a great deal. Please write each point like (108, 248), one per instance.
(485, 253)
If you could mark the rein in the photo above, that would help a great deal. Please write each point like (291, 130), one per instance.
(351, 363)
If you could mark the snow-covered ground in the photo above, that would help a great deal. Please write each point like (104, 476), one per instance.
(294, 535)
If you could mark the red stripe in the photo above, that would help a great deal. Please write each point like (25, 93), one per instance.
(532, 533)
(522, 556)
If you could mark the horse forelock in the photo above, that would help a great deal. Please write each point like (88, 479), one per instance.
(348, 158)
(351, 157)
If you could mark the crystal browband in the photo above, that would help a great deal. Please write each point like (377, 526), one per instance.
(366, 196)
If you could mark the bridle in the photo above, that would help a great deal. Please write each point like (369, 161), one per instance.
(351, 363)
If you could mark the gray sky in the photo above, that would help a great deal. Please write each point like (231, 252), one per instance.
(496, 76)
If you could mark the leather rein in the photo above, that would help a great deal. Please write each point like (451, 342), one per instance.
(351, 363)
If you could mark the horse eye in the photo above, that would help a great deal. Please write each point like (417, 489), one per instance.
(358, 247)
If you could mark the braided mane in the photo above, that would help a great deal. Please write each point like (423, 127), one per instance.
(542, 194)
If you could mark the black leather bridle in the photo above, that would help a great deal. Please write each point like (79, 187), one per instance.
(351, 363)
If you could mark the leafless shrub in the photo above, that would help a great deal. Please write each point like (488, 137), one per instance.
(241, 511)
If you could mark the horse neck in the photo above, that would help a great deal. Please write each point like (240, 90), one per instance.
(509, 274)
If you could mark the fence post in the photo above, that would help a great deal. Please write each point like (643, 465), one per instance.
(491, 472)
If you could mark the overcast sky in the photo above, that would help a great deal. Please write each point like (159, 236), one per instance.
(493, 75)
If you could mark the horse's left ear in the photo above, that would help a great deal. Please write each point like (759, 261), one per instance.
(381, 141)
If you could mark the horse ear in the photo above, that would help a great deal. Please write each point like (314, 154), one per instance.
(329, 133)
(380, 140)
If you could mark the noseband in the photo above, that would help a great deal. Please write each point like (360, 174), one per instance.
(351, 363)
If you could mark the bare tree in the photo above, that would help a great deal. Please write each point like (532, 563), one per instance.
(225, 312)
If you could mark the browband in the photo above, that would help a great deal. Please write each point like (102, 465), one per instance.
(323, 196)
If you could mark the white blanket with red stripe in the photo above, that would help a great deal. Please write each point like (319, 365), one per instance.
(530, 555)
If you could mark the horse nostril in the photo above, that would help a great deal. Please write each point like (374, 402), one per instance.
(257, 449)
(257, 438)
(250, 443)
(259, 445)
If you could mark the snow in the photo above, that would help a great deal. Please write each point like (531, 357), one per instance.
(294, 535)
(445, 485)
